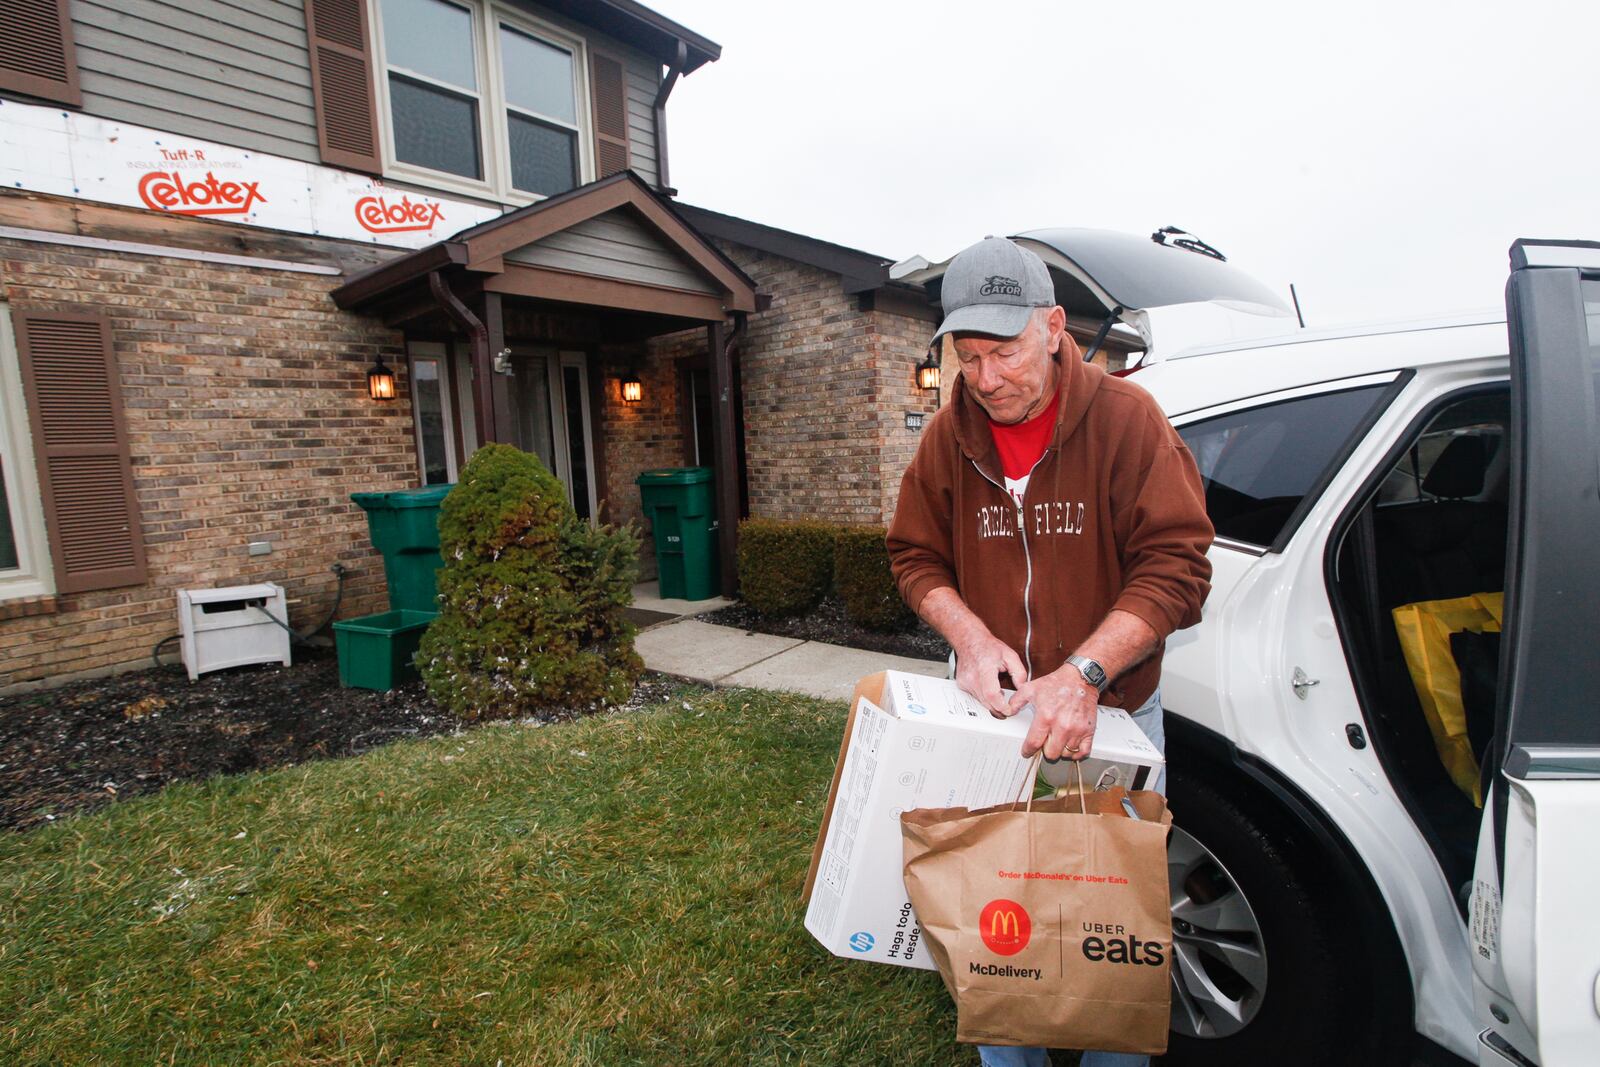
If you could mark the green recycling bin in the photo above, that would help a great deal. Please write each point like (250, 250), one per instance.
(680, 504)
(405, 528)
(378, 651)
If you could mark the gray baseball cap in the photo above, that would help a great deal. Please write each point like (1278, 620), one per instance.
(992, 288)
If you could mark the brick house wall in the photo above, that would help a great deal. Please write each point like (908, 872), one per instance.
(643, 436)
(825, 385)
(903, 343)
(248, 420)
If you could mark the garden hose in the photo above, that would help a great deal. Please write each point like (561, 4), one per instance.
(300, 639)
(155, 653)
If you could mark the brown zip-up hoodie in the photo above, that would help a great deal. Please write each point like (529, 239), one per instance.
(1114, 517)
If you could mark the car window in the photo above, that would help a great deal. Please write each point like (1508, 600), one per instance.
(1481, 418)
(1258, 464)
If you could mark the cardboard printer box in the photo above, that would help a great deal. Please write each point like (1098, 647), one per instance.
(912, 741)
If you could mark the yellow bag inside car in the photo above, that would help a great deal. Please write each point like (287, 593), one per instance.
(1425, 628)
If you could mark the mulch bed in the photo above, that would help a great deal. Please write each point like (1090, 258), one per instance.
(85, 744)
(828, 623)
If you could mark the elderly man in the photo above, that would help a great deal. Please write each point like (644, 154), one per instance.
(1052, 525)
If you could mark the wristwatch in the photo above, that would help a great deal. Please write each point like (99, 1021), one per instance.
(1092, 672)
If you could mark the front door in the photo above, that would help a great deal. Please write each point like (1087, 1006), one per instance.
(1534, 923)
(550, 412)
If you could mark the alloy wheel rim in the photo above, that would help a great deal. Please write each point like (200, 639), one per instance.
(1219, 960)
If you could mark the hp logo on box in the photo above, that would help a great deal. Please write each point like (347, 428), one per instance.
(862, 941)
(916, 709)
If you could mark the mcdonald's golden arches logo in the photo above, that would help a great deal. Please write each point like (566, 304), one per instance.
(1005, 927)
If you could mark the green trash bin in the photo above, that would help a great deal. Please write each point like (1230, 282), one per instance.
(405, 528)
(377, 651)
(680, 504)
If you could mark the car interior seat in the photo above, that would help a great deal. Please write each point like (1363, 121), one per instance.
(1453, 544)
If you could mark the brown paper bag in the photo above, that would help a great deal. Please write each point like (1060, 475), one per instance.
(1051, 925)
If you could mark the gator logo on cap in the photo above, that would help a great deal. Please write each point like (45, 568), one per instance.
(1000, 285)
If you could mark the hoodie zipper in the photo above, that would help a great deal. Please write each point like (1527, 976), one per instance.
(1027, 555)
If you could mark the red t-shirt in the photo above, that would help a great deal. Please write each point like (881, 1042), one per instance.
(1020, 444)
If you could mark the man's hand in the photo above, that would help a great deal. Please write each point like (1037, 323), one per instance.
(1064, 711)
(981, 657)
(980, 661)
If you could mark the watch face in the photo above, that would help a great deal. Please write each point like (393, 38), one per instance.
(1092, 672)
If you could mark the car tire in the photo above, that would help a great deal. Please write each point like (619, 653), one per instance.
(1250, 891)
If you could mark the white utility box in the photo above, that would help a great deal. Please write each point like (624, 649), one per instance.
(232, 626)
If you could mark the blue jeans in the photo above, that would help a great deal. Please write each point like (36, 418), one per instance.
(1148, 716)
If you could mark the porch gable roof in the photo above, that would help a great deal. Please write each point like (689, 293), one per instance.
(496, 254)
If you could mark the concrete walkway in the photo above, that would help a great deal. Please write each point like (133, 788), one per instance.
(647, 595)
(724, 656)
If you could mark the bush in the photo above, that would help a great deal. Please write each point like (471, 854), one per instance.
(531, 596)
(785, 568)
(862, 578)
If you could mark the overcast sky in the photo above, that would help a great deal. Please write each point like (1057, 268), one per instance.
(1381, 156)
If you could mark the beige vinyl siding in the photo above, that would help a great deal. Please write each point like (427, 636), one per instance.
(614, 245)
(232, 71)
(643, 78)
(238, 72)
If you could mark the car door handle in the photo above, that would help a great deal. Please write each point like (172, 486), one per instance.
(1302, 684)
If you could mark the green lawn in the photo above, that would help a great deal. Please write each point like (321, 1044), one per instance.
(625, 889)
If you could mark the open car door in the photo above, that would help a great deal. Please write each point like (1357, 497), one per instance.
(1534, 921)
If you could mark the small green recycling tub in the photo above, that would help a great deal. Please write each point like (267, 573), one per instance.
(376, 651)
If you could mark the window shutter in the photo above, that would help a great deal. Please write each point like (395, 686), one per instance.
(607, 81)
(80, 442)
(36, 53)
(341, 83)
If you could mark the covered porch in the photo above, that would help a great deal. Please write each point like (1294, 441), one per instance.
(524, 330)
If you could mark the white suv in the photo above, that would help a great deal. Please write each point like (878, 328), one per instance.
(1333, 888)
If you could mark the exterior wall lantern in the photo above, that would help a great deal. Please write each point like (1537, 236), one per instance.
(632, 389)
(928, 377)
(380, 381)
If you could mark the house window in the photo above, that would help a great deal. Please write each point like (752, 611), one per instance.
(482, 99)
(433, 85)
(541, 113)
(24, 558)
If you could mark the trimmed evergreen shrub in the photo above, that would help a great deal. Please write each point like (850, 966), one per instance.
(785, 568)
(531, 597)
(862, 578)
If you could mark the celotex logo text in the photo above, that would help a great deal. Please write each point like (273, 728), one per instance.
(377, 215)
(1005, 927)
(862, 941)
(167, 191)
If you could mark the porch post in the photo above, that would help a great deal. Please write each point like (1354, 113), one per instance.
(727, 455)
(478, 336)
(498, 389)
